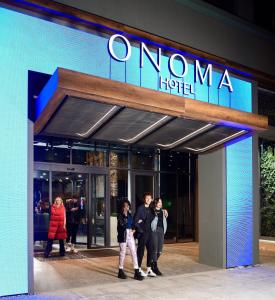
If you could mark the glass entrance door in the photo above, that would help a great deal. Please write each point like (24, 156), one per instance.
(97, 236)
(142, 183)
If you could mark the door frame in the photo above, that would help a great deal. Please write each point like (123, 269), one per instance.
(59, 167)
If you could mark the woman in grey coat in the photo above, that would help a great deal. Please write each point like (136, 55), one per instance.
(159, 227)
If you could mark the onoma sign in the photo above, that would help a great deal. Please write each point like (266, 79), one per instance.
(201, 75)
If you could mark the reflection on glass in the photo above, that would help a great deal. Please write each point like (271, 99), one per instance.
(143, 184)
(143, 159)
(174, 161)
(73, 186)
(89, 157)
(168, 194)
(41, 208)
(118, 188)
(98, 199)
(185, 209)
(46, 152)
(119, 159)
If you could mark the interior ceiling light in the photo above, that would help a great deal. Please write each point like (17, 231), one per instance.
(147, 130)
(218, 142)
(187, 137)
(99, 122)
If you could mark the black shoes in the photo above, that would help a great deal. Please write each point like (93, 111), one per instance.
(137, 275)
(121, 274)
(155, 269)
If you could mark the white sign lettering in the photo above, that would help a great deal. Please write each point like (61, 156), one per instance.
(201, 74)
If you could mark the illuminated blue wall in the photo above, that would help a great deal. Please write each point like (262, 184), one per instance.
(28, 43)
(239, 212)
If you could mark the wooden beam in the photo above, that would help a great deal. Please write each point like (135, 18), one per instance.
(76, 84)
(72, 17)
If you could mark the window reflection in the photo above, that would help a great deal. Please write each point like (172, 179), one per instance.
(143, 159)
(119, 159)
(89, 157)
(118, 188)
(46, 152)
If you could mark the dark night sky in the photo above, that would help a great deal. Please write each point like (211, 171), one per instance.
(259, 12)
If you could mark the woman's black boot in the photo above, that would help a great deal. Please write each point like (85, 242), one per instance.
(156, 269)
(137, 275)
(121, 274)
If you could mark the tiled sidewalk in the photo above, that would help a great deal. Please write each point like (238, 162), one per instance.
(185, 278)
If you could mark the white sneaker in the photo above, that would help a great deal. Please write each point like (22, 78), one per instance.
(143, 274)
(150, 273)
(73, 249)
(68, 247)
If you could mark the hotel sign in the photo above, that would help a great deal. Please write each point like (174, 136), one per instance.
(202, 75)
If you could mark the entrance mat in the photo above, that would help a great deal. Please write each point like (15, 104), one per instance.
(93, 253)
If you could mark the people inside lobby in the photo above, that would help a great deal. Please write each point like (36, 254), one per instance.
(57, 227)
(73, 216)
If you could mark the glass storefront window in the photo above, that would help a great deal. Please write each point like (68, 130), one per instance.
(89, 157)
(41, 208)
(143, 159)
(174, 161)
(118, 189)
(168, 194)
(46, 152)
(73, 186)
(118, 159)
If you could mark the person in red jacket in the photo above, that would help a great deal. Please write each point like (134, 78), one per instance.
(57, 228)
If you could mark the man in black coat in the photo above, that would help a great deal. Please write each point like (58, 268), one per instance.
(143, 218)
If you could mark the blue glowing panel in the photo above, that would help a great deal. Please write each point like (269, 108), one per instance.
(239, 212)
(118, 68)
(213, 89)
(242, 94)
(133, 71)
(201, 89)
(224, 96)
(165, 74)
(149, 75)
(189, 78)
(46, 94)
(178, 67)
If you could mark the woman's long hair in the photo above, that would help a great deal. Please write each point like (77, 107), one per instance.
(122, 205)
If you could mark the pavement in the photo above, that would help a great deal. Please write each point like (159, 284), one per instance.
(91, 275)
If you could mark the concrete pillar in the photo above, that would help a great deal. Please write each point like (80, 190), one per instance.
(212, 205)
(228, 200)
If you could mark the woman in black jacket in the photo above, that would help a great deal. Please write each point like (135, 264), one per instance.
(125, 237)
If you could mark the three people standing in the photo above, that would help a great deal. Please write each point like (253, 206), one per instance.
(149, 227)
